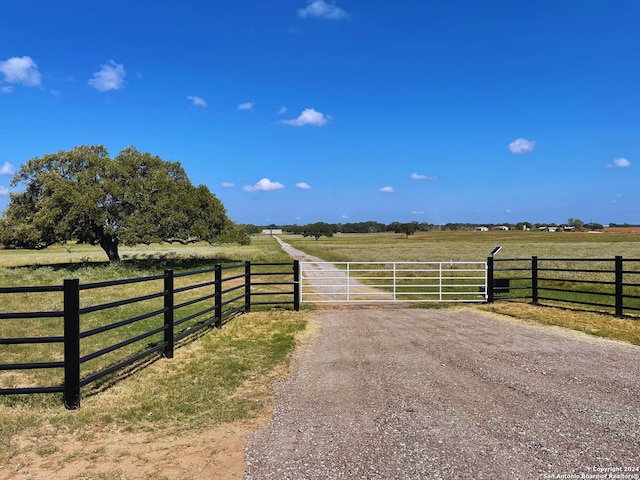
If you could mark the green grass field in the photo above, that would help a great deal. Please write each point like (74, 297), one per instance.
(38, 269)
(467, 246)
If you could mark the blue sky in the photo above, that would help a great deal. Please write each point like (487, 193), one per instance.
(297, 111)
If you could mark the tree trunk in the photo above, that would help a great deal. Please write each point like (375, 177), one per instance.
(109, 244)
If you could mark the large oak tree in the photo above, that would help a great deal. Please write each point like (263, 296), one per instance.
(85, 195)
(318, 230)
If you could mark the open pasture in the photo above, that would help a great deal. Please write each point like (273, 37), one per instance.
(193, 290)
(468, 246)
(476, 246)
(72, 256)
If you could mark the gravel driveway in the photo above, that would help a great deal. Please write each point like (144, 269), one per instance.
(413, 393)
(404, 393)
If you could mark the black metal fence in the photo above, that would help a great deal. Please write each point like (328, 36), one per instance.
(609, 285)
(86, 332)
(73, 349)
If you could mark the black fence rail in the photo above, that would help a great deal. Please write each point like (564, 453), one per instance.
(76, 334)
(605, 284)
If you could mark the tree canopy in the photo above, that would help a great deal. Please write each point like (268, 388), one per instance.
(83, 194)
(404, 228)
(318, 230)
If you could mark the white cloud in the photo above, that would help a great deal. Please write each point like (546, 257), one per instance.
(344, 216)
(6, 89)
(521, 145)
(303, 186)
(420, 176)
(20, 70)
(308, 117)
(228, 184)
(418, 212)
(263, 185)
(246, 106)
(109, 77)
(197, 101)
(282, 110)
(322, 9)
(4, 191)
(387, 189)
(7, 169)
(620, 162)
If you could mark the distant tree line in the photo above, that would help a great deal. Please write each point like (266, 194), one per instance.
(320, 229)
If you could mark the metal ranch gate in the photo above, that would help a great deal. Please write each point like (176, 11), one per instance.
(393, 282)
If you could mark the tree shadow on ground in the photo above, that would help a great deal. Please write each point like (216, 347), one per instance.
(143, 263)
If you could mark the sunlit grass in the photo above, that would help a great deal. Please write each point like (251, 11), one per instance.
(601, 325)
(220, 377)
(82, 254)
(183, 261)
(467, 246)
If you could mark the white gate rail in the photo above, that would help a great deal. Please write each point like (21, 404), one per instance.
(393, 281)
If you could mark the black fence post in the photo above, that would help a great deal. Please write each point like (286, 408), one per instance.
(534, 280)
(72, 343)
(490, 279)
(619, 287)
(218, 296)
(247, 286)
(296, 285)
(168, 314)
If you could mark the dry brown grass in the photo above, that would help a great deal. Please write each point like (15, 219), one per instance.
(599, 324)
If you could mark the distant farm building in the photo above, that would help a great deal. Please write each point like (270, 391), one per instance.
(500, 227)
(548, 229)
(272, 231)
(482, 229)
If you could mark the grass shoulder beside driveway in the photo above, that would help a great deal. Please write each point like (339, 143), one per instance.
(221, 377)
(599, 324)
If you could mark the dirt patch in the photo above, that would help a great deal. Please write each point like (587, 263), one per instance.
(210, 454)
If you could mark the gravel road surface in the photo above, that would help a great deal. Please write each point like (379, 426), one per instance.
(403, 393)
(423, 393)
